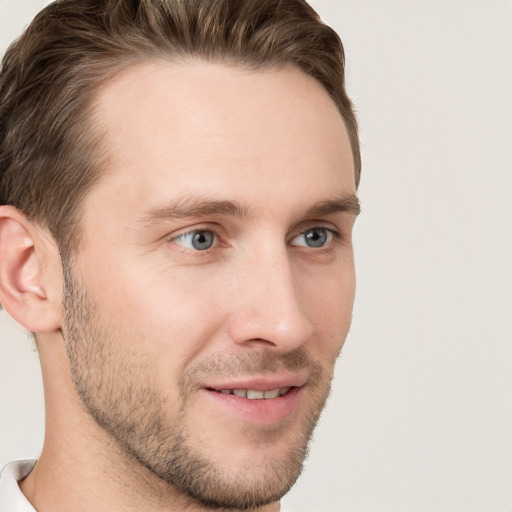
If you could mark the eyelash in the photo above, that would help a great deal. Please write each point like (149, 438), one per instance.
(333, 237)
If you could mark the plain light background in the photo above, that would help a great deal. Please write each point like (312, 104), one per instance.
(420, 419)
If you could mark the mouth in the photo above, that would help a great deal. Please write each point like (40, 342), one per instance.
(258, 401)
(255, 394)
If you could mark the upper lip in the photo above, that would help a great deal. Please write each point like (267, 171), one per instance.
(260, 383)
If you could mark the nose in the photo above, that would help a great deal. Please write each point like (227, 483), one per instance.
(268, 310)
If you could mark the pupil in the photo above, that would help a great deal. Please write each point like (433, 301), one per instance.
(202, 240)
(316, 237)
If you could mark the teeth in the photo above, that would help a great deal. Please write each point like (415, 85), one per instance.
(254, 394)
(271, 394)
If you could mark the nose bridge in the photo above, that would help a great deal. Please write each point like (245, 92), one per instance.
(269, 307)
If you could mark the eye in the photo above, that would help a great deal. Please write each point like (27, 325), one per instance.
(198, 240)
(314, 238)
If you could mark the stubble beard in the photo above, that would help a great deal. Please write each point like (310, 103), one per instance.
(118, 393)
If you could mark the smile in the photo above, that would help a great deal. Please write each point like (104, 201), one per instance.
(263, 399)
(254, 394)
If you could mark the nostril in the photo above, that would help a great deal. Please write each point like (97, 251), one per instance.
(259, 342)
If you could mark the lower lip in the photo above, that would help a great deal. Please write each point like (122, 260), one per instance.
(263, 411)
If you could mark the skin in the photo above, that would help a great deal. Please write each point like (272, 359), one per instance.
(150, 324)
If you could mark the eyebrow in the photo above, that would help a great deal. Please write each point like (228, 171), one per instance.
(349, 203)
(194, 207)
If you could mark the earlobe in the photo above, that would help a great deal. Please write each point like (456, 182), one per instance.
(22, 292)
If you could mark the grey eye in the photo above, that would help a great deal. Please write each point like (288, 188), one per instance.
(202, 240)
(314, 237)
(198, 240)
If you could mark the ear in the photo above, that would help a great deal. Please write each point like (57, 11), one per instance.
(30, 273)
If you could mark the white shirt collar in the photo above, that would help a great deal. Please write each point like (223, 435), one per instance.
(11, 497)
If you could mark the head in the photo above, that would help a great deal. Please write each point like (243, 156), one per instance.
(191, 167)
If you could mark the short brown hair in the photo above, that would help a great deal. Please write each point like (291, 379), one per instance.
(48, 158)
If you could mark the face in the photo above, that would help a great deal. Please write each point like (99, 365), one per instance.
(214, 287)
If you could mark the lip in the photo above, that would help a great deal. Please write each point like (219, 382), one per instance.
(260, 383)
(259, 411)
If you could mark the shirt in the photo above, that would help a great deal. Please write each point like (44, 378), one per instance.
(11, 497)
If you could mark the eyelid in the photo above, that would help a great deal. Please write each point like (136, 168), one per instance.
(317, 224)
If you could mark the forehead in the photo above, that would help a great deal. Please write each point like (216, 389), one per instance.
(211, 129)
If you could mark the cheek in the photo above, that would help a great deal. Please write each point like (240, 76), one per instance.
(328, 300)
(159, 310)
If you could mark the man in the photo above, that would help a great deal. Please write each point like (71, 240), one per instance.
(178, 187)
